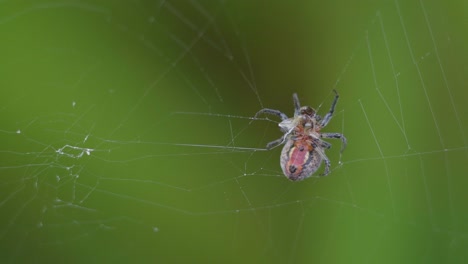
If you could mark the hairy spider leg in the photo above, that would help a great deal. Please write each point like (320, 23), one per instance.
(297, 104)
(325, 160)
(282, 139)
(269, 111)
(325, 144)
(329, 115)
(336, 135)
(283, 117)
(327, 167)
(275, 143)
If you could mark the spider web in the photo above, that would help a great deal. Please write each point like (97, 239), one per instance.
(128, 135)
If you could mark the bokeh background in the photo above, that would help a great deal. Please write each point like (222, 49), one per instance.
(127, 131)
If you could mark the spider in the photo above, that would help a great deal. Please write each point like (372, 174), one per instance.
(304, 147)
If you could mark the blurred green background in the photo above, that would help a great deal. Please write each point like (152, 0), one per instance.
(127, 135)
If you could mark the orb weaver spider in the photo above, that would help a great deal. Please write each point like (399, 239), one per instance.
(304, 147)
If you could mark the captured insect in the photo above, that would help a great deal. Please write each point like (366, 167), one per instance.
(304, 147)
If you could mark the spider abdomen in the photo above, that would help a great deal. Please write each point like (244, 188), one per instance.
(299, 160)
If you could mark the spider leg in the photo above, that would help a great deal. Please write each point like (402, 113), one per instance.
(297, 104)
(318, 118)
(327, 166)
(271, 112)
(329, 115)
(275, 143)
(336, 135)
(326, 160)
(281, 140)
(325, 144)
